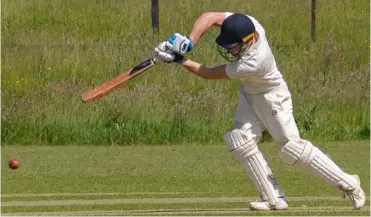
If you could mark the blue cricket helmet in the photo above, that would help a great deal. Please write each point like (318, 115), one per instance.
(235, 29)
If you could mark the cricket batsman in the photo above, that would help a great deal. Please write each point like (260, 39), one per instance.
(264, 103)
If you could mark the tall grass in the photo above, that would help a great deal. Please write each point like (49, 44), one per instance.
(53, 50)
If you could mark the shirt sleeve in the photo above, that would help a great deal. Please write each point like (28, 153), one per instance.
(241, 69)
(227, 14)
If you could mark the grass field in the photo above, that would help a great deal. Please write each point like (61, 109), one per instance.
(164, 180)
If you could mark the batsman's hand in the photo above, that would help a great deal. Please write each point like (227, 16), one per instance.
(164, 54)
(180, 43)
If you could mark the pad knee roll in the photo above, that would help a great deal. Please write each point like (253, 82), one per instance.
(238, 138)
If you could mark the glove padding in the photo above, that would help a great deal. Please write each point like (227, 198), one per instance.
(180, 43)
(164, 54)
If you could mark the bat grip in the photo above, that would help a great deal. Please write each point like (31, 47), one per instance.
(156, 60)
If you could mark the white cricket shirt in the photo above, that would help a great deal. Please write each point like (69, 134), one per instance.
(256, 67)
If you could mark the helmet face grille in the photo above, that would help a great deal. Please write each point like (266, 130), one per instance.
(226, 55)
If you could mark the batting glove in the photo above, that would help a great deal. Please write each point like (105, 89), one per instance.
(180, 43)
(164, 54)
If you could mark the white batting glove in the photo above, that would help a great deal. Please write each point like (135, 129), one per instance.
(180, 43)
(163, 53)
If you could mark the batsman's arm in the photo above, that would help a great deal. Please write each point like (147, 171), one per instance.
(217, 72)
(205, 22)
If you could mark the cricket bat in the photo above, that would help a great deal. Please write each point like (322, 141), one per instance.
(117, 82)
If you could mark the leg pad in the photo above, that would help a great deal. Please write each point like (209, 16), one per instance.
(305, 156)
(255, 165)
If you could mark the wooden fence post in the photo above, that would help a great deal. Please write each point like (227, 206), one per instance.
(155, 16)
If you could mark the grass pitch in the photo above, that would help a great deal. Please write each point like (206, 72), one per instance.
(164, 180)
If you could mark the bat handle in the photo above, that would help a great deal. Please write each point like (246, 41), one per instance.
(156, 60)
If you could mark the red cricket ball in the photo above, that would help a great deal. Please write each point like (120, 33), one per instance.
(13, 164)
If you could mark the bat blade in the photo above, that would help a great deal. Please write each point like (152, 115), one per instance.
(117, 82)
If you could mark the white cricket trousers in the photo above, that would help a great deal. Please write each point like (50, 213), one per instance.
(270, 110)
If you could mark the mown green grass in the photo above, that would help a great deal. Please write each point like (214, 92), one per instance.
(54, 50)
(170, 168)
(158, 207)
(194, 171)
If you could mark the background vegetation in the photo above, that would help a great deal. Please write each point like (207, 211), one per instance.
(54, 50)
